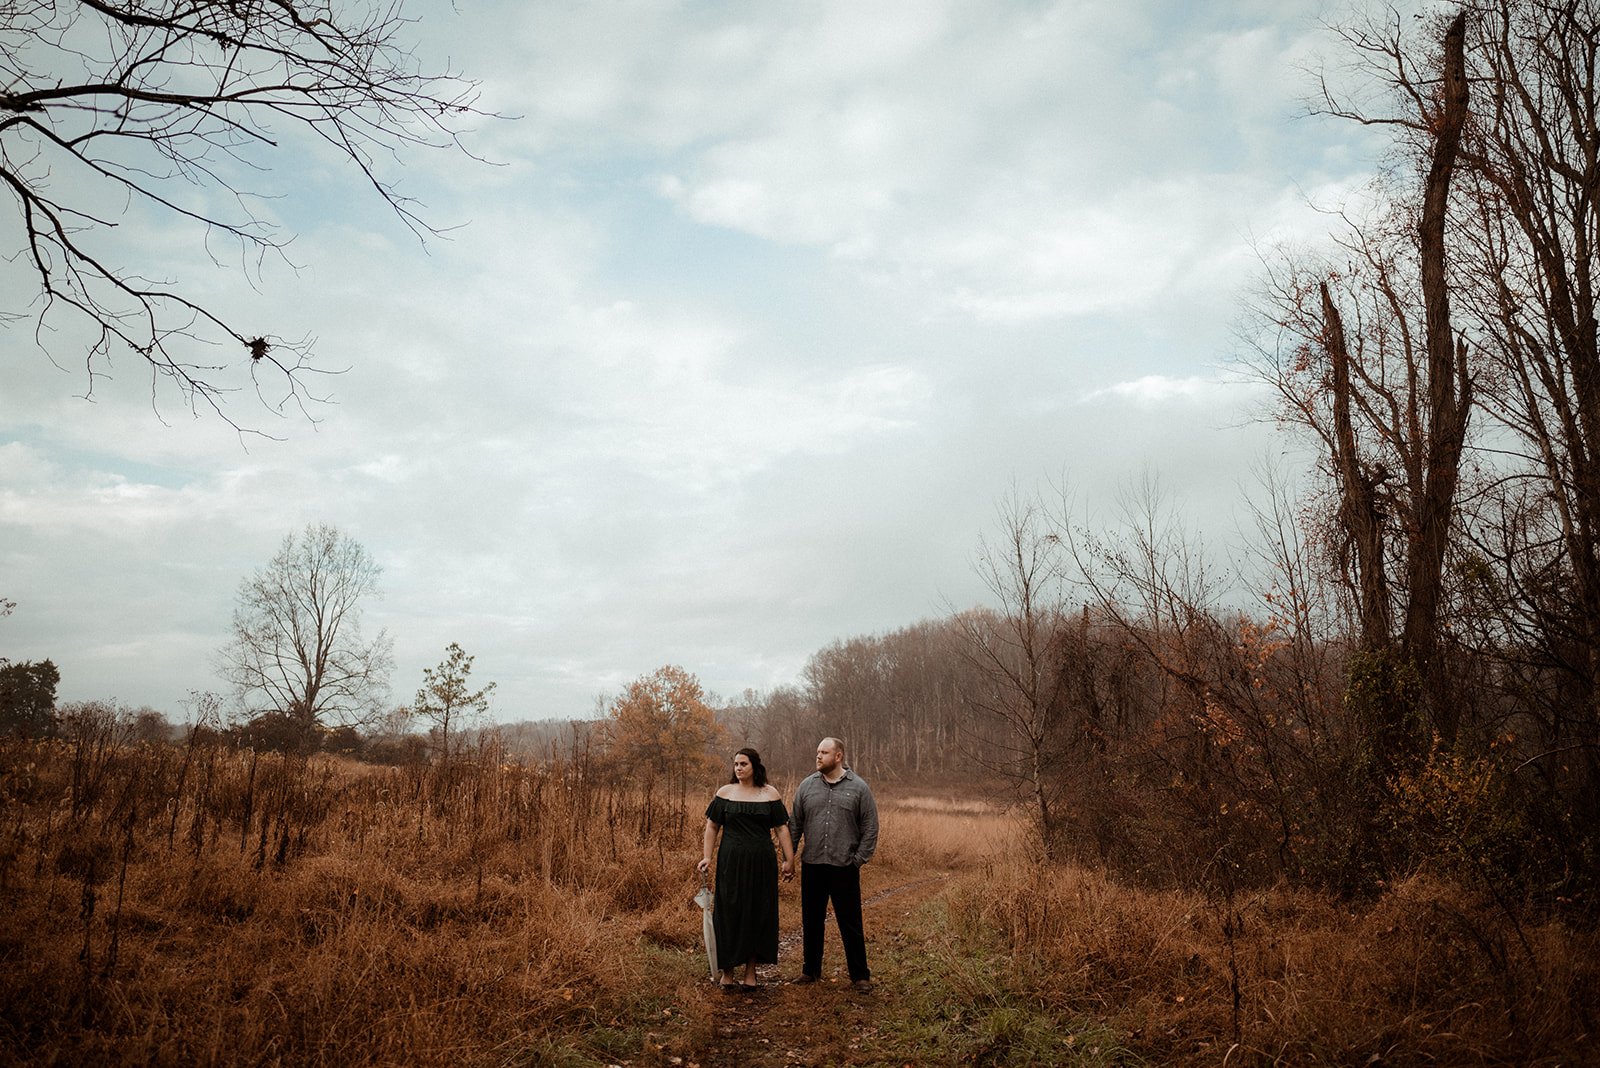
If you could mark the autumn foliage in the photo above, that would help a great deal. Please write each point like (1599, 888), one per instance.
(660, 729)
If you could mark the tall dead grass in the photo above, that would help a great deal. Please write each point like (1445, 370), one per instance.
(921, 833)
(1429, 973)
(202, 905)
(211, 906)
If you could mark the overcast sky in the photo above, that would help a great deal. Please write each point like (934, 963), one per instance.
(758, 311)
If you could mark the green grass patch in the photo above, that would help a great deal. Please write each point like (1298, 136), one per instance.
(642, 1022)
(961, 1000)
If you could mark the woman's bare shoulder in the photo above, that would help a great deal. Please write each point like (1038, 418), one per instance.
(726, 790)
(770, 792)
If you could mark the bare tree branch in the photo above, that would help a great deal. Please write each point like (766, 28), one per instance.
(108, 109)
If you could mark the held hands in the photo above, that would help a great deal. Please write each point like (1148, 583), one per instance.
(788, 870)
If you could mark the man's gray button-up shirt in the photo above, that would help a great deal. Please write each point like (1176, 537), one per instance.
(838, 821)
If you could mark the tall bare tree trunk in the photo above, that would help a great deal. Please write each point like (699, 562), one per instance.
(1358, 503)
(1449, 395)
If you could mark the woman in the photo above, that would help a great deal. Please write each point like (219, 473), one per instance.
(745, 915)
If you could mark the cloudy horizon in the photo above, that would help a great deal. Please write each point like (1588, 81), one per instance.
(750, 319)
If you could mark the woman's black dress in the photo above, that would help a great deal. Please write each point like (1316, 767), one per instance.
(746, 910)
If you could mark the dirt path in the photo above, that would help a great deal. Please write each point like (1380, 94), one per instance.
(825, 1023)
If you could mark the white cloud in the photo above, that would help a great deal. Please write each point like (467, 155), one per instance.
(767, 305)
(1152, 391)
(1013, 165)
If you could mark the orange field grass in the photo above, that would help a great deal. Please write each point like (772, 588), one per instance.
(244, 908)
(201, 906)
(927, 833)
(1428, 974)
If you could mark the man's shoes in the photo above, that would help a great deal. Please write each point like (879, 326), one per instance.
(862, 986)
(803, 978)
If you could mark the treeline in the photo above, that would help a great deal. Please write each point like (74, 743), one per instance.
(1152, 715)
(898, 700)
(1152, 722)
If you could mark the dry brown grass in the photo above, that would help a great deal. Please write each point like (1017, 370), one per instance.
(257, 909)
(207, 906)
(1427, 974)
(925, 833)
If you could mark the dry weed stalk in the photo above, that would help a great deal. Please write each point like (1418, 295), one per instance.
(316, 909)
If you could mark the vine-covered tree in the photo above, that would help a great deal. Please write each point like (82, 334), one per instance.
(167, 113)
(297, 647)
(1367, 357)
(1467, 303)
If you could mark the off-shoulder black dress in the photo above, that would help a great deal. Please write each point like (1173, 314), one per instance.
(746, 909)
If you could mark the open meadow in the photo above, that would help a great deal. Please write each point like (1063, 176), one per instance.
(202, 905)
(1156, 444)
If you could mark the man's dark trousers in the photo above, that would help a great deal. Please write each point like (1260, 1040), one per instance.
(819, 884)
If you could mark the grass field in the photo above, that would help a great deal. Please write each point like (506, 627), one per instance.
(199, 905)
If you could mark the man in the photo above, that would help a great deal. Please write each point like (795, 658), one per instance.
(834, 825)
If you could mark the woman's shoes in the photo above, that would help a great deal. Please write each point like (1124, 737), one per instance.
(739, 988)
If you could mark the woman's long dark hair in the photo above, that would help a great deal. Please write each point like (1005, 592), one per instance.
(758, 770)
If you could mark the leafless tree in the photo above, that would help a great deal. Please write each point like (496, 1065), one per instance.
(1524, 239)
(1227, 755)
(1366, 357)
(297, 648)
(1015, 648)
(1532, 230)
(1296, 599)
(166, 113)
